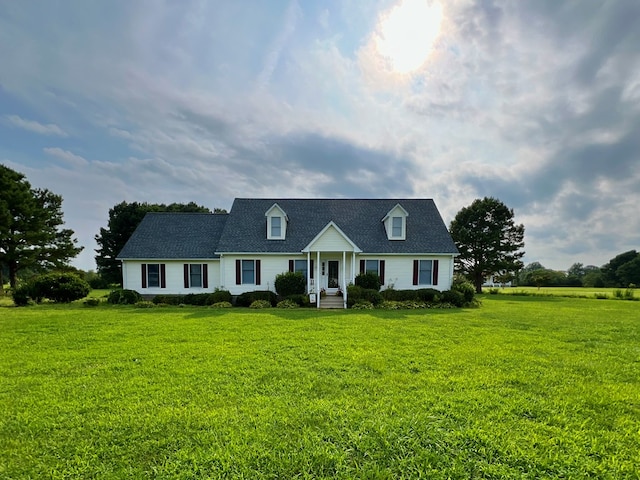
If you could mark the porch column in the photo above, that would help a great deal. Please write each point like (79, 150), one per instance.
(344, 279)
(308, 273)
(318, 280)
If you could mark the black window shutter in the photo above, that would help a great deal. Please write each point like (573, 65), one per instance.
(205, 275)
(415, 272)
(311, 268)
(144, 275)
(291, 265)
(381, 272)
(257, 272)
(238, 272)
(163, 276)
(362, 266)
(435, 272)
(186, 275)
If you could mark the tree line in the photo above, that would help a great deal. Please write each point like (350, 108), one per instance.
(490, 243)
(622, 271)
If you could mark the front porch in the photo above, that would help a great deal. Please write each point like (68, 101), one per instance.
(334, 256)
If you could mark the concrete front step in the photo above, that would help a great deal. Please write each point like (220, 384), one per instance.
(332, 301)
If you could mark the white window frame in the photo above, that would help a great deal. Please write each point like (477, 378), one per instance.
(420, 270)
(149, 285)
(242, 270)
(191, 275)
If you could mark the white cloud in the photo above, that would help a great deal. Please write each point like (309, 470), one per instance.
(70, 158)
(37, 127)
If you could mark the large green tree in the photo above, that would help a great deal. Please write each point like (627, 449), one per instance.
(488, 239)
(31, 236)
(123, 220)
(622, 269)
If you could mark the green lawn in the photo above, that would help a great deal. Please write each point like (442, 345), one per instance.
(523, 387)
(571, 292)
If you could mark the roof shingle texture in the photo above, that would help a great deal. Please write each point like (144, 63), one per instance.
(175, 235)
(359, 219)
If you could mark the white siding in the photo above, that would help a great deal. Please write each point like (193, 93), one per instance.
(270, 266)
(331, 241)
(399, 271)
(174, 271)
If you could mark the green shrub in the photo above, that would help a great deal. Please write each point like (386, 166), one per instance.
(222, 305)
(494, 291)
(618, 293)
(428, 295)
(287, 304)
(59, 287)
(290, 283)
(628, 294)
(372, 295)
(601, 296)
(219, 296)
(91, 302)
(453, 297)
(301, 300)
(464, 287)
(399, 295)
(369, 281)
(168, 299)
(124, 297)
(198, 299)
(355, 293)
(22, 295)
(362, 305)
(247, 298)
(260, 304)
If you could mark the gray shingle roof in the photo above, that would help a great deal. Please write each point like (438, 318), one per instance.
(359, 219)
(175, 235)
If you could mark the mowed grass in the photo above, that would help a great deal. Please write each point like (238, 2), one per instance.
(523, 387)
(571, 292)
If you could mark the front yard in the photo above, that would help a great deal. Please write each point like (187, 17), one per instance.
(522, 387)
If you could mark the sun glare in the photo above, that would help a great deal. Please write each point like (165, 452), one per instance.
(406, 34)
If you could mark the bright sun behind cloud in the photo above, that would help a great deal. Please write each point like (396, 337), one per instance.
(407, 32)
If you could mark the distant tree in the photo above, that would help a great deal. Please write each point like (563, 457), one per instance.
(592, 277)
(123, 220)
(31, 236)
(611, 271)
(575, 274)
(488, 239)
(629, 273)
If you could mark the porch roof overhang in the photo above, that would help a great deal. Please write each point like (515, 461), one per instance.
(315, 244)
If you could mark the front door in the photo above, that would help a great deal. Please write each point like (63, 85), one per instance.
(333, 275)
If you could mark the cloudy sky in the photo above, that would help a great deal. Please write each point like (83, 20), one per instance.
(535, 102)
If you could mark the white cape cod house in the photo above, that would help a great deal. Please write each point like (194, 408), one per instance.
(330, 241)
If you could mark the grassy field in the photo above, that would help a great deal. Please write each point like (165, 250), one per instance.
(523, 387)
(571, 292)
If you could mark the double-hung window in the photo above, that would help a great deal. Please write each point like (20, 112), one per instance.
(425, 269)
(247, 272)
(153, 275)
(425, 272)
(396, 227)
(195, 275)
(300, 266)
(276, 227)
(373, 266)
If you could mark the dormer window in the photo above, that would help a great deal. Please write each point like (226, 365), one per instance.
(396, 227)
(276, 227)
(276, 223)
(395, 223)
